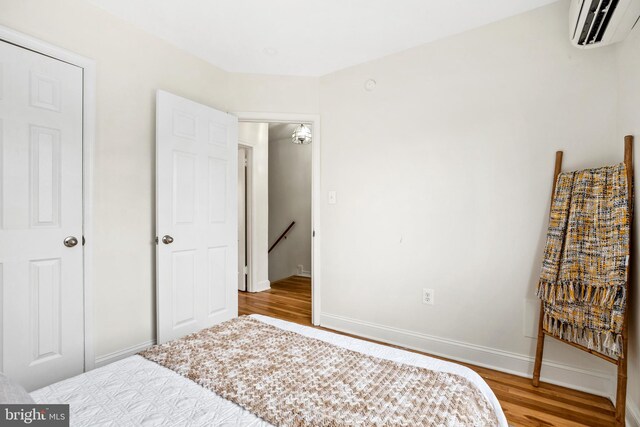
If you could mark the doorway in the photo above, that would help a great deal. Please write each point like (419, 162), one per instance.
(290, 231)
(266, 234)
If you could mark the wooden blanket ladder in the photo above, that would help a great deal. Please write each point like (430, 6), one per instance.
(621, 362)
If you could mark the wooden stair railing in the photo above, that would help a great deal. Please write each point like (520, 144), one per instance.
(282, 236)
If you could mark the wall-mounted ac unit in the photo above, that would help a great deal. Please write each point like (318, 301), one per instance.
(596, 23)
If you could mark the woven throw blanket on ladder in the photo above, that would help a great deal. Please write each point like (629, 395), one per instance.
(289, 379)
(583, 282)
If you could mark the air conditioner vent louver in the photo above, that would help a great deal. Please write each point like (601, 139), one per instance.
(602, 22)
(598, 19)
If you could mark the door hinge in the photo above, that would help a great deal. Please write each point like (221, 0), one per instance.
(245, 269)
(246, 163)
(314, 233)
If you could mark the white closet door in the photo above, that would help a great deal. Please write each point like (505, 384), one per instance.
(41, 286)
(196, 203)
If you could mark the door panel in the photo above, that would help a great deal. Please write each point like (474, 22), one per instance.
(184, 188)
(45, 176)
(217, 285)
(44, 278)
(40, 205)
(183, 291)
(217, 190)
(196, 148)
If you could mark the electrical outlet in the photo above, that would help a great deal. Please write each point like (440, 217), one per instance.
(428, 296)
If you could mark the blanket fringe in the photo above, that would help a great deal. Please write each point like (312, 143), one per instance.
(605, 342)
(603, 296)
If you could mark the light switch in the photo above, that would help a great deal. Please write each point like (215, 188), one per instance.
(332, 198)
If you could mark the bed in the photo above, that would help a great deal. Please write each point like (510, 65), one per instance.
(136, 391)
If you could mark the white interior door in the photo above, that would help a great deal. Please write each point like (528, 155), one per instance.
(242, 218)
(41, 285)
(196, 219)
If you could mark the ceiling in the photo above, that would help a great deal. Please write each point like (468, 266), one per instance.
(306, 37)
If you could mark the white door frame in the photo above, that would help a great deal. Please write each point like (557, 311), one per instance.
(249, 216)
(88, 138)
(314, 121)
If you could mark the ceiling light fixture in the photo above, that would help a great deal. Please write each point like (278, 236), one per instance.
(301, 135)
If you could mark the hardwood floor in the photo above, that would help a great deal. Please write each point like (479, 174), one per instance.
(288, 299)
(524, 405)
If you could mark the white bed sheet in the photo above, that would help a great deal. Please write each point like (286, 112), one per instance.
(138, 392)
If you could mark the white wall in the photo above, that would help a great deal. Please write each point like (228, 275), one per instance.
(256, 136)
(131, 65)
(443, 179)
(278, 94)
(289, 200)
(629, 124)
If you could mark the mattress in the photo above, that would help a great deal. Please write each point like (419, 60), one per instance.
(137, 392)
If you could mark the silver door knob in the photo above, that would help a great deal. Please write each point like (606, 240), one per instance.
(70, 241)
(167, 239)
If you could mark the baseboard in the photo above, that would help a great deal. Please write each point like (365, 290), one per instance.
(265, 285)
(633, 414)
(300, 271)
(121, 354)
(598, 383)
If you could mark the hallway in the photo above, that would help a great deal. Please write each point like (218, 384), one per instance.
(288, 299)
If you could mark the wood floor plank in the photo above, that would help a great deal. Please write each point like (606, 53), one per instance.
(524, 405)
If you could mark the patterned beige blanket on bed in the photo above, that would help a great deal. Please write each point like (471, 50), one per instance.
(291, 380)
